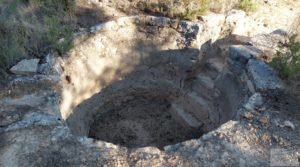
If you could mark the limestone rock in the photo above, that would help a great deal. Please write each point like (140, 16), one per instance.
(237, 22)
(213, 23)
(50, 65)
(289, 124)
(242, 53)
(159, 21)
(34, 119)
(239, 56)
(270, 43)
(254, 101)
(235, 15)
(26, 67)
(213, 20)
(264, 77)
(22, 85)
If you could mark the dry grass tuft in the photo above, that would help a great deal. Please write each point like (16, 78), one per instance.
(247, 5)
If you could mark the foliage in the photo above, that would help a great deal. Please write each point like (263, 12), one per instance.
(247, 5)
(32, 28)
(185, 9)
(201, 7)
(288, 64)
(12, 37)
(55, 31)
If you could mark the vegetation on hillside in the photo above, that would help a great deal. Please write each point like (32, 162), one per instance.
(33, 27)
(247, 5)
(288, 64)
(184, 9)
(191, 9)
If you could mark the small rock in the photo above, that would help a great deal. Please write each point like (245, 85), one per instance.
(264, 120)
(51, 65)
(276, 122)
(248, 115)
(239, 53)
(26, 67)
(158, 21)
(289, 124)
(266, 138)
(254, 101)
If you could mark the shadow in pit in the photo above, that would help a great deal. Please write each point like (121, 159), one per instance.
(136, 89)
(134, 111)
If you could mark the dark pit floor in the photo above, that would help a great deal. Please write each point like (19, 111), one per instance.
(141, 123)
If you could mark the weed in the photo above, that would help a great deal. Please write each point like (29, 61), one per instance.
(247, 5)
(185, 9)
(59, 36)
(288, 64)
(204, 7)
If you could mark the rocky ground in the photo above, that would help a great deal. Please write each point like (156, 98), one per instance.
(35, 124)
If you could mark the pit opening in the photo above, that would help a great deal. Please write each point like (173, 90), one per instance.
(138, 88)
(143, 110)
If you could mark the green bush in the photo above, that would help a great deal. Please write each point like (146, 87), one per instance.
(247, 5)
(33, 28)
(288, 64)
(59, 36)
(201, 7)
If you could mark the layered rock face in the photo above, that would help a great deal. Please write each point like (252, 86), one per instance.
(144, 91)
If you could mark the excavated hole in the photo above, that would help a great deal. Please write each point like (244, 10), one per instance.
(138, 112)
(143, 112)
(140, 90)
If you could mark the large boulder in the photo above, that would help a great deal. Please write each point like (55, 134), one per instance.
(242, 53)
(264, 77)
(271, 43)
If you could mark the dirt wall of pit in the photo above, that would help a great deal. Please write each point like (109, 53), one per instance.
(147, 58)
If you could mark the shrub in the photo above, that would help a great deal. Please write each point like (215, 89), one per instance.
(12, 38)
(33, 27)
(195, 8)
(288, 64)
(185, 9)
(59, 36)
(247, 5)
(204, 7)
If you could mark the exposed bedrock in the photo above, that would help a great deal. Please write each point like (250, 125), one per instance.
(143, 91)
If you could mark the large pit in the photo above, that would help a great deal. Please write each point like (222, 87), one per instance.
(147, 83)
